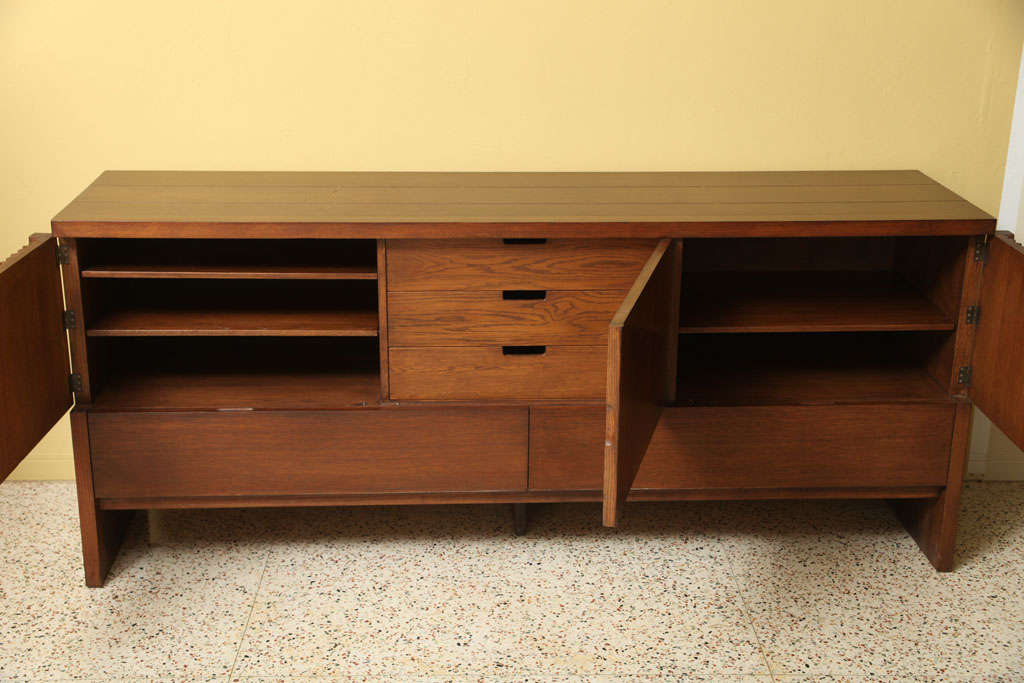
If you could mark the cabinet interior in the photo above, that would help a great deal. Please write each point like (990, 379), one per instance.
(231, 324)
(818, 320)
(293, 323)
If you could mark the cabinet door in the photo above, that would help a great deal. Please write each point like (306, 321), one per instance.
(34, 365)
(997, 380)
(643, 339)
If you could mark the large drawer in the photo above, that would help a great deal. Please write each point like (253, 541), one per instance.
(390, 450)
(495, 317)
(753, 447)
(494, 264)
(495, 372)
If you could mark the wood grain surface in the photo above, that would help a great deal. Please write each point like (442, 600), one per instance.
(308, 452)
(433, 265)
(491, 317)
(274, 205)
(445, 373)
(642, 341)
(34, 365)
(997, 383)
(757, 447)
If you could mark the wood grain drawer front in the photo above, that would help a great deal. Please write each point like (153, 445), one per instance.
(486, 372)
(144, 455)
(753, 447)
(494, 317)
(555, 264)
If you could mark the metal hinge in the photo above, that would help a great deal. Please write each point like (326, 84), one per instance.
(981, 251)
(70, 321)
(973, 315)
(75, 382)
(63, 254)
(963, 375)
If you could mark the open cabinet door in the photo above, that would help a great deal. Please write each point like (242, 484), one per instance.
(34, 365)
(997, 376)
(643, 340)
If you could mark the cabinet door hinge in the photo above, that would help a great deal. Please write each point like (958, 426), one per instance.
(70, 321)
(75, 382)
(981, 250)
(963, 375)
(973, 315)
(63, 254)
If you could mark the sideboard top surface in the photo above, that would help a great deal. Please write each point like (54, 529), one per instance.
(243, 204)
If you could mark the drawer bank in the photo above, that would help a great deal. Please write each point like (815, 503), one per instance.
(297, 339)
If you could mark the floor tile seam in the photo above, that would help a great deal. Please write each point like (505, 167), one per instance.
(248, 619)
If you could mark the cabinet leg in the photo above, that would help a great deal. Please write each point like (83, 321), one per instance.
(102, 530)
(519, 513)
(933, 521)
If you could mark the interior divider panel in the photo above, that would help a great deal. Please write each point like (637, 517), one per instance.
(255, 453)
(753, 447)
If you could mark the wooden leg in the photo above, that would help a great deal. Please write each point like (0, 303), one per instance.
(102, 530)
(519, 512)
(933, 521)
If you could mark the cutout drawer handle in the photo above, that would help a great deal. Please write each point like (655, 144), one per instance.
(524, 294)
(523, 350)
(525, 240)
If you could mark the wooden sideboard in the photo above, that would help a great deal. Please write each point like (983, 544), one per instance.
(295, 339)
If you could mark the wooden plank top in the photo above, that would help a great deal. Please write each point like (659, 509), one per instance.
(246, 204)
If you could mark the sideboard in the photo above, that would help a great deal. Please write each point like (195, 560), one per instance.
(240, 339)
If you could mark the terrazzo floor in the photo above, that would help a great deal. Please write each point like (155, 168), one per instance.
(720, 591)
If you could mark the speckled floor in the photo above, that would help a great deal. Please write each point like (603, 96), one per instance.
(723, 591)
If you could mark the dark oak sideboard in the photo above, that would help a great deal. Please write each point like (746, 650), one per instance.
(245, 339)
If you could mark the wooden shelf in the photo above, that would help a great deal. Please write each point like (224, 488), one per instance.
(793, 369)
(804, 302)
(200, 322)
(277, 390)
(202, 373)
(232, 272)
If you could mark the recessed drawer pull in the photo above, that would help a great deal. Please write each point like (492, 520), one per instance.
(525, 240)
(524, 294)
(523, 350)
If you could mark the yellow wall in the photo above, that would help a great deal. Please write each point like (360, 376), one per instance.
(480, 84)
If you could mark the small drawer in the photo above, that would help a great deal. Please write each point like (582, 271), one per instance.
(753, 447)
(275, 453)
(494, 264)
(497, 372)
(524, 316)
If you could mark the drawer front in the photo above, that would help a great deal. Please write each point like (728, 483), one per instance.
(485, 372)
(495, 317)
(149, 455)
(493, 264)
(753, 447)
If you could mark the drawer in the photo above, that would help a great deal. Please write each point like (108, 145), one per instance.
(496, 317)
(494, 264)
(488, 372)
(253, 453)
(753, 447)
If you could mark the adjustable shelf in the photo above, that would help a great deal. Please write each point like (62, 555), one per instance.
(238, 374)
(232, 308)
(805, 301)
(236, 272)
(773, 369)
(204, 322)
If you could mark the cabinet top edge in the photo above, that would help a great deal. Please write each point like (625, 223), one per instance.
(247, 204)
